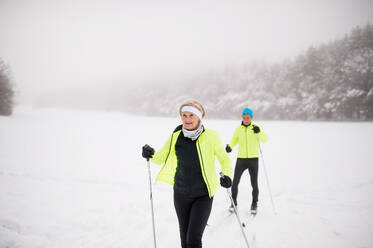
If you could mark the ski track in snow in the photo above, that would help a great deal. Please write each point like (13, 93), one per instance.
(77, 179)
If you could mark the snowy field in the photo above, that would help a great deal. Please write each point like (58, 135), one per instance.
(77, 179)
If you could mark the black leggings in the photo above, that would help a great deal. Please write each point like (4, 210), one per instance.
(242, 164)
(193, 214)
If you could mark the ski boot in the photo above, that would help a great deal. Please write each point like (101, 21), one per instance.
(253, 209)
(231, 209)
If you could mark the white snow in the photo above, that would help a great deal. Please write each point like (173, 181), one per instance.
(77, 179)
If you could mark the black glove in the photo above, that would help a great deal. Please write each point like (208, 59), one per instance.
(147, 151)
(228, 148)
(225, 181)
(256, 129)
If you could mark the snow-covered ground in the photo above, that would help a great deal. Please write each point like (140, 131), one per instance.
(77, 179)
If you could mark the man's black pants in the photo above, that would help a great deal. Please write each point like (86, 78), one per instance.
(193, 214)
(241, 165)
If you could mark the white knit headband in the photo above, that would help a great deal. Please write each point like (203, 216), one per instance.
(192, 110)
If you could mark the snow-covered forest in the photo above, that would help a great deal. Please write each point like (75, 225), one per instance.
(332, 81)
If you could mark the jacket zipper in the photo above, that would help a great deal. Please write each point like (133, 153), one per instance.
(247, 146)
(203, 167)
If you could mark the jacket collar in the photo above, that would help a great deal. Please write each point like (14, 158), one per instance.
(180, 127)
(246, 125)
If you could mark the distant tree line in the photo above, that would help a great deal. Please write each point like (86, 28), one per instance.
(6, 90)
(332, 81)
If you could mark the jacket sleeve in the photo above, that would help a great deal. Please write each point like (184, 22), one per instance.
(223, 157)
(234, 139)
(160, 156)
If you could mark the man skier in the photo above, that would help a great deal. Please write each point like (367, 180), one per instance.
(247, 135)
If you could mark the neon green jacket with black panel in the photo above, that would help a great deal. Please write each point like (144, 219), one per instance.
(248, 141)
(208, 145)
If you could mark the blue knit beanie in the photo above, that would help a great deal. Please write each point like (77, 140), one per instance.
(247, 111)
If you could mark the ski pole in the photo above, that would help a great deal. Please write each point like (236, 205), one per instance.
(151, 201)
(241, 224)
(267, 180)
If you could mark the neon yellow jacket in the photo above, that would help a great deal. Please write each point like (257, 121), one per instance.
(208, 145)
(248, 141)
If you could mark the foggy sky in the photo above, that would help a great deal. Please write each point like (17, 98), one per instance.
(52, 44)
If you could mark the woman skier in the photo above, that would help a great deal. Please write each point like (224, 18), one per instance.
(188, 159)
